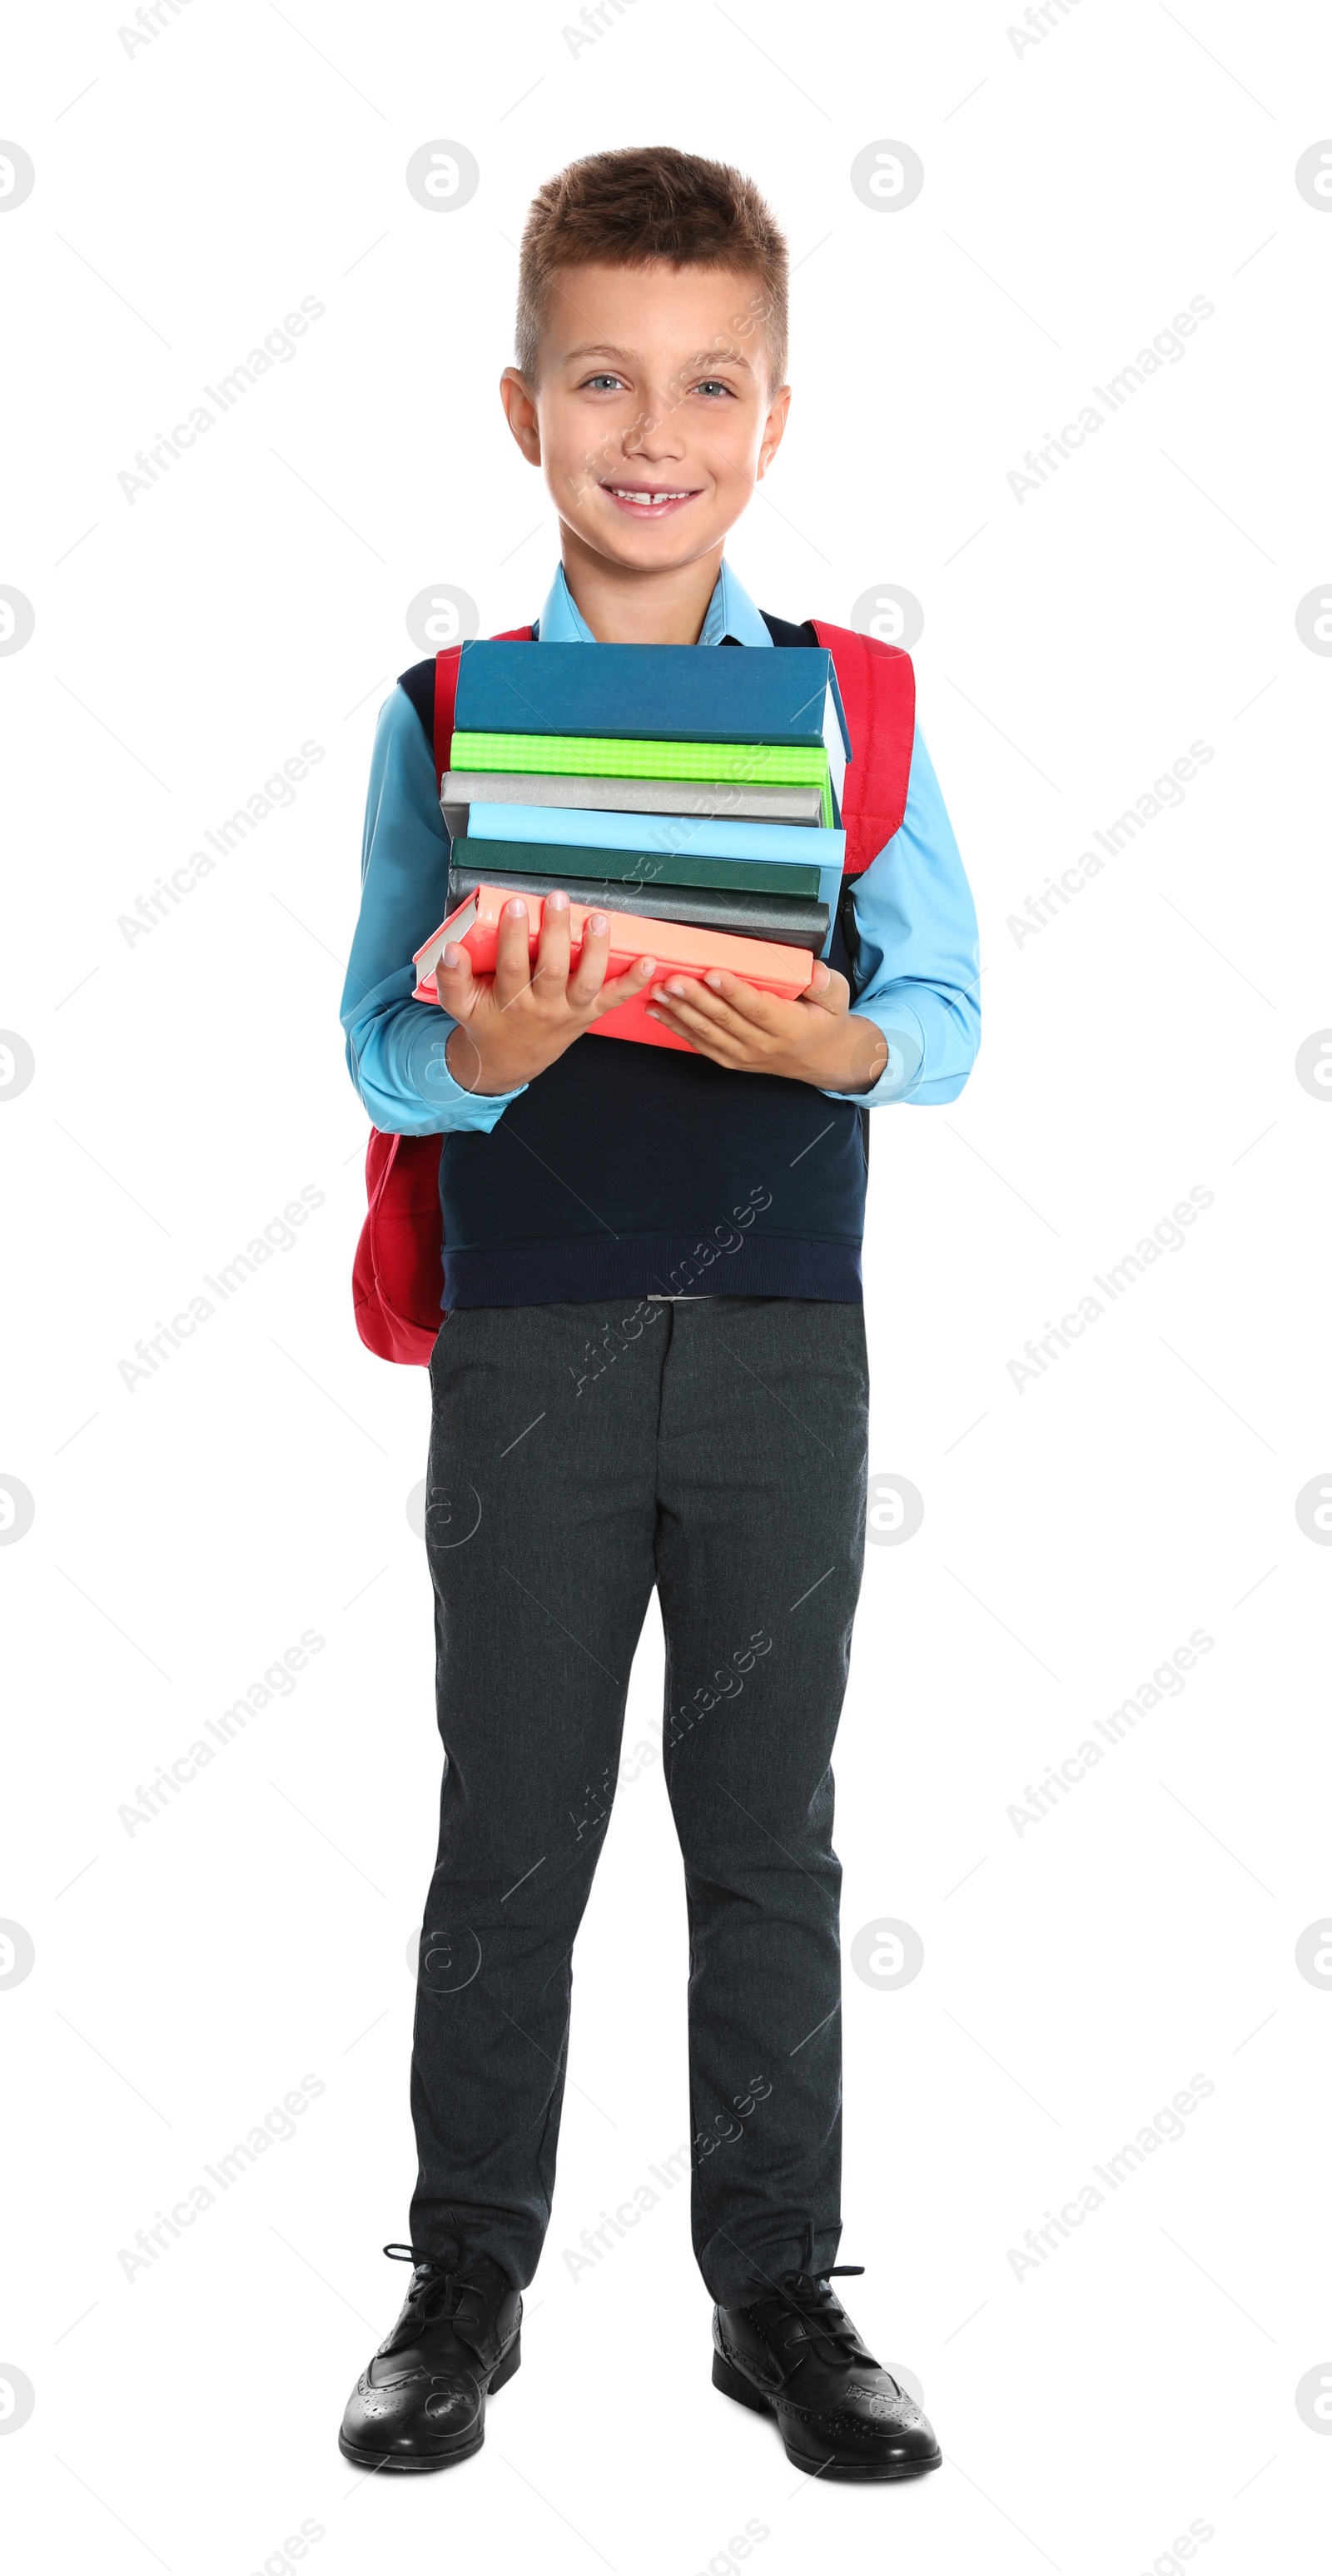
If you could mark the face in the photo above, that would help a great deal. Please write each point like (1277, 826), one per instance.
(652, 416)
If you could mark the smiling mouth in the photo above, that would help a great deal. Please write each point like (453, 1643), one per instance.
(645, 502)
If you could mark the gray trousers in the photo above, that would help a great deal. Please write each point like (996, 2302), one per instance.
(580, 1454)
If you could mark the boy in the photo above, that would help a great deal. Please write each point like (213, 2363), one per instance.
(588, 1439)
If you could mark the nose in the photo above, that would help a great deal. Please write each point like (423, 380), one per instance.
(657, 434)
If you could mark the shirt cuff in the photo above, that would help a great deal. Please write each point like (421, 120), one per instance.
(906, 1056)
(428, 1071)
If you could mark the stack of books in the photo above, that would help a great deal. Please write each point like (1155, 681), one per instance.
(692, 796)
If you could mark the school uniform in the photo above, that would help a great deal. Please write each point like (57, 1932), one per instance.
(651, 1373)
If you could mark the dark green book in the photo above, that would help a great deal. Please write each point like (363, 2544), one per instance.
(638, 868)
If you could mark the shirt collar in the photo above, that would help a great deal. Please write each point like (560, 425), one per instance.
(731, 611)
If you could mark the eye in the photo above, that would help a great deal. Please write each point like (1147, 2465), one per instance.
(599, 384)
(713, 385)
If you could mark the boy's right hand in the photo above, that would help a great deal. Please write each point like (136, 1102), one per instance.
(512, 1024)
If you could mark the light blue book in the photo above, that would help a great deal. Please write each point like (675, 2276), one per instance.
(703, 836)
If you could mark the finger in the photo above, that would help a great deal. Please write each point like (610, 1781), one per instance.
(711, 1009)
(827, 990)
(588, 975)
(456, 985)
(686, 1016)
(765, 1011)
(622, 988)
(513, 971)
(701, 1039)
(550, 973)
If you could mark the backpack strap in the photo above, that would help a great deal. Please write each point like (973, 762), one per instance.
(441, 716)
(446, 690)
(878, 688)
(432, 687)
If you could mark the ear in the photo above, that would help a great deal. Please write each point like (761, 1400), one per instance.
(773, 428)
(521, 413)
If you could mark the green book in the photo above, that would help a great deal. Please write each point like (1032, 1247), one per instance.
(776, 764)
(643, 868)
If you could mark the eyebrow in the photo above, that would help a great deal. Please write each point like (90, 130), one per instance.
(704, 357)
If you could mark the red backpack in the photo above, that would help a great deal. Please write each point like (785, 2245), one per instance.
(398, 1268)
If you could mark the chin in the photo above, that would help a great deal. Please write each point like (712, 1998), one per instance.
(653, 549)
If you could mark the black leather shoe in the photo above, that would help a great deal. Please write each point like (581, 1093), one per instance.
(421, 2403)
(795, 2354)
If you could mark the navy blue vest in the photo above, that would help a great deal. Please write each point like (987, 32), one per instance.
(626, 1171)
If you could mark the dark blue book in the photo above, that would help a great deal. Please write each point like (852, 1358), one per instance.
(655, 692)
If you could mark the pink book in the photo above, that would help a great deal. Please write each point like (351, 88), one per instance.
(680, 948)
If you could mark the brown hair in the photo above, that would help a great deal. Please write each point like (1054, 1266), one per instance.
(651, 203)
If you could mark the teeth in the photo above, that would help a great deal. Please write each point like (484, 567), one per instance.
(646, 500)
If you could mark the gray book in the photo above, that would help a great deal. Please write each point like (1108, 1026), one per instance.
(735, 798)
(795, 922)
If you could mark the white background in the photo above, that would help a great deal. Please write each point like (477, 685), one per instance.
(1077, 195)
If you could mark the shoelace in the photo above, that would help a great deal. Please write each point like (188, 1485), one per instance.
(802, 2295)
(438, 2293)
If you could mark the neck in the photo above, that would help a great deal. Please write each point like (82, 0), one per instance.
(625, 606)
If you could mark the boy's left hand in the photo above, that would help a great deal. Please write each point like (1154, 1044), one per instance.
(816, 1039)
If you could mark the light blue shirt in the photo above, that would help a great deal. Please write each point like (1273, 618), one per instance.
(913, 908)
